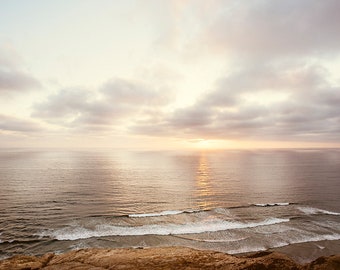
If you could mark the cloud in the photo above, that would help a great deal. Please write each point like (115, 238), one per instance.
(63, 104)
(12, 77)
(131, 93)
(12, 80)
(10, 123)
(272, 79)
(276, 28)
(113, 104)
(190, 117)
(276, 103)
(277, 87)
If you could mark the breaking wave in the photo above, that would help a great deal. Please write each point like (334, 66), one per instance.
(80, 232)
(163, 213)
(315, 211)
(256, 248)
(271, 204)
(177, 212)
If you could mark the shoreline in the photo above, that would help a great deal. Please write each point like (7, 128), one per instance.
(162, 258)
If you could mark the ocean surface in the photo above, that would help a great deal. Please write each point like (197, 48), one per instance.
(229, 201)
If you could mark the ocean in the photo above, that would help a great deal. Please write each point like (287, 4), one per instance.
(231, 201)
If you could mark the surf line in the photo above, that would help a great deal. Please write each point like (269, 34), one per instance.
(208, 240)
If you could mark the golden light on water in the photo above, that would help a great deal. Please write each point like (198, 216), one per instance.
(203, 182)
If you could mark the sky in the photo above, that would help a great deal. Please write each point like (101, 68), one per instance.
(170, 74)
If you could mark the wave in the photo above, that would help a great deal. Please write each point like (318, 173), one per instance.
(177, 212)
(315, 238)
(4, 257)
(282, 243)
(8, 241)
(315, 211)
(213, 240)
(79, 232)
(271, 204)
(163, 213)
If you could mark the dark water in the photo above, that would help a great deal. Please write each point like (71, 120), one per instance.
(230, 201)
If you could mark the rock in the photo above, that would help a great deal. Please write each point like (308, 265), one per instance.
(325, 263)
(162, 258)
(22, 262)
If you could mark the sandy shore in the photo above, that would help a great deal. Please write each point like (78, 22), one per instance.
(162, 258)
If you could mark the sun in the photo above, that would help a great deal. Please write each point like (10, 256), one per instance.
(203, 144)
(207, 144)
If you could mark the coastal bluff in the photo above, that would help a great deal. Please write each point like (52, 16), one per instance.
(162, 258)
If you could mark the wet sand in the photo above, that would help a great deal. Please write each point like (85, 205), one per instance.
(307, 252)
(162, 258)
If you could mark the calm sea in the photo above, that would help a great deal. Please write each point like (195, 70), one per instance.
(230, 201)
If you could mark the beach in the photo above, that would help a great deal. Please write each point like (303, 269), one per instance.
(162, 258)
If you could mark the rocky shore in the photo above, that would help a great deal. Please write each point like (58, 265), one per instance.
(162, 258)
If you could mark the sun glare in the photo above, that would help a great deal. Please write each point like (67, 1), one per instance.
(203, 144)
(208, 144)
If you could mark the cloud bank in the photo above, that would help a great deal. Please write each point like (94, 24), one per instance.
(12, 77)
(10, 123)
(113, 104)
(274, 67)
(276, 28)
(278, 87)
(289, 104)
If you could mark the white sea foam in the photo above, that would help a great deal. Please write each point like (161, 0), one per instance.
(78, 246)
(4, 257)
(246, 249)
(79, 232)
(282, 243)
(320, 247)
(272, 204)
(163, 213)
(314, 238)
(222, 211)
(315, 211)
(214, 240)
